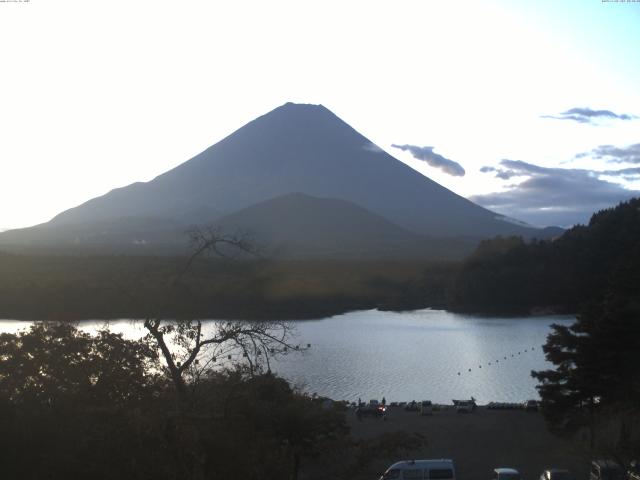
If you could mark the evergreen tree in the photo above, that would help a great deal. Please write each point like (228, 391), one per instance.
(597, 359)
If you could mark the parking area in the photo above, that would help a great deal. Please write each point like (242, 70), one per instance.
(482, 440)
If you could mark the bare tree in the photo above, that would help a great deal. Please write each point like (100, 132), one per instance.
(191, 349)
(210, 240)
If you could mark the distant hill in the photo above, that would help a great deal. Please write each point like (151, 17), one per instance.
(299, 225)
(293, 149)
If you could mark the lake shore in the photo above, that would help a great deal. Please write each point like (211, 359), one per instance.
(480, 441)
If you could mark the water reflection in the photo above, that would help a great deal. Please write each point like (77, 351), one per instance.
(425, 354)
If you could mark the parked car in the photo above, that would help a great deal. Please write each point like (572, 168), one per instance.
(531, 406)
(556, 474)
(634, 471)
(372, 410)
(412, 406)
(465, 406)
(606, 470)
(426, 407)
(421, 470)
(506, 473)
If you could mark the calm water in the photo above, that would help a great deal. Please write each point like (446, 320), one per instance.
(409, 355)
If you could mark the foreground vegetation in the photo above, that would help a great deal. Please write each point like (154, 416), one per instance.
(78, 406)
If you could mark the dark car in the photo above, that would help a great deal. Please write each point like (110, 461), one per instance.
(371, 410)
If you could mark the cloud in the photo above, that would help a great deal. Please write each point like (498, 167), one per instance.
(372, 147)
(587, 115)
(555, 196)
(500, 173)
(629, 154)
(426, 154)
(626, 173)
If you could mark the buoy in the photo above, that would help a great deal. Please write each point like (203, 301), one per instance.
(308, 345)
(506, 357)
(469, 369)
(458, 373)
(489, 363)
(479, 366)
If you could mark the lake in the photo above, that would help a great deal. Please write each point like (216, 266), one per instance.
(403, 356)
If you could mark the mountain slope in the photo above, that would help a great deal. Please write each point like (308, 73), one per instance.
(298, 148)
(118, 235)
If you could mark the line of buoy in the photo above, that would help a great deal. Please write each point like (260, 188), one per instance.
(504, 358)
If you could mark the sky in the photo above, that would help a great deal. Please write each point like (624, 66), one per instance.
(531, 109)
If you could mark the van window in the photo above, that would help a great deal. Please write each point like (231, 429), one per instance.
(391, 474)
(412, 474)
(440, 474)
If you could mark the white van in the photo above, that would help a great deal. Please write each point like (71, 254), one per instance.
(421, 470)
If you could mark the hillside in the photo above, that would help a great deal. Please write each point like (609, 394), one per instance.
(299, 225)
(510, 275)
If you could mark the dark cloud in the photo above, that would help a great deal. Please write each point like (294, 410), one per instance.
(555, 196)
(426, 154)
(501, 173)
(626, 173)
(587, 115)
(630, 154)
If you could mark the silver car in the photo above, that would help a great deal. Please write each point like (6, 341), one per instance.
(505, 473)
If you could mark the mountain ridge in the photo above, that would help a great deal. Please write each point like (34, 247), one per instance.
(296, 148)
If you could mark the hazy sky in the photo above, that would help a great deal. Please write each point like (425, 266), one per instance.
(528, 107)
